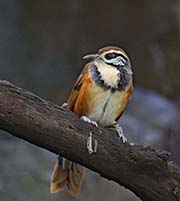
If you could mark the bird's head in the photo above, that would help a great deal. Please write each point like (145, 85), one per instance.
(112, 56)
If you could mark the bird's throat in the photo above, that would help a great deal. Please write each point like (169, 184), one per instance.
(110, 77)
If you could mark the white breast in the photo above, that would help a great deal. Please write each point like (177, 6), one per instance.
(105, 106)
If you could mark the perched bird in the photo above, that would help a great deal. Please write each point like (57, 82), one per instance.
(100, 94)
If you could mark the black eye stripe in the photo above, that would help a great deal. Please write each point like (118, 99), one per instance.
(113, 55)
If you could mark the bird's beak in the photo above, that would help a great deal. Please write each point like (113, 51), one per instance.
(91, 56)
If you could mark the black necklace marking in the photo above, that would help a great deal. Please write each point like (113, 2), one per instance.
(124, 80)
(122, 83)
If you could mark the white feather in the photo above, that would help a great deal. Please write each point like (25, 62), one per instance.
(109, 74)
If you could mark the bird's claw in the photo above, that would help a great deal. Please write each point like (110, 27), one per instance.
(119, 131)
(86, 119)
(90, 143)
(64, 105)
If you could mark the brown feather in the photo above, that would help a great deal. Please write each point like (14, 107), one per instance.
(105, 49)
(79, 93)
(127, 95)
(70, 174)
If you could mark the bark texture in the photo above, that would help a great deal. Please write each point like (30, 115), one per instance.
(144, 171)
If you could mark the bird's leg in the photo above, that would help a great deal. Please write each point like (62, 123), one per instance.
(90, 137)
(86, 119)
(119, 131)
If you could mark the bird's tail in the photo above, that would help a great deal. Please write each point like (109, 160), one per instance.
(67, 174)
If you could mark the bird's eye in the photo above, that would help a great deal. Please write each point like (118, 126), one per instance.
(110, 56)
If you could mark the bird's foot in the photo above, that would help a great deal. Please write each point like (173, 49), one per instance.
(119, 131)
(64, 105)
(91, 147)
(86, 119)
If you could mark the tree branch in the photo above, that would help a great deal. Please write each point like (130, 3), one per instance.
(146, 172)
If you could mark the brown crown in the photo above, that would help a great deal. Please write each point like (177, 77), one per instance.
(105, 49)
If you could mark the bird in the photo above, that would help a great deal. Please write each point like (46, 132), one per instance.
(100, 94)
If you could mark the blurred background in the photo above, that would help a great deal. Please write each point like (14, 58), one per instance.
(41, 48)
